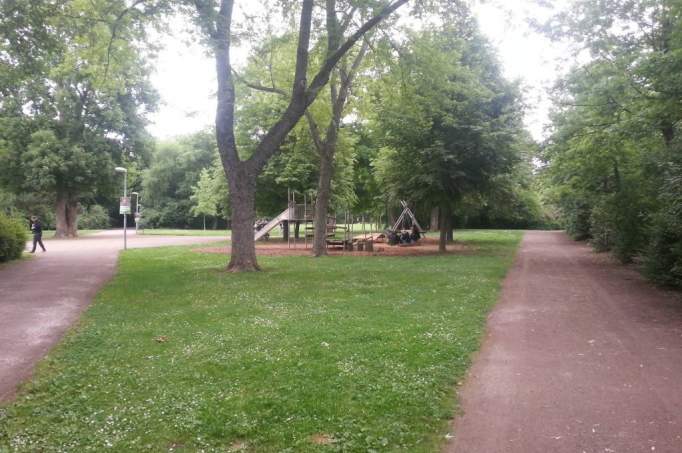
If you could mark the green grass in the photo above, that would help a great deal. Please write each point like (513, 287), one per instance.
(179, 232)
(49, 234)
(177, 354)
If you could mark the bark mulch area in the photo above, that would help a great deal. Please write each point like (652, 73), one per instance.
(425, 247)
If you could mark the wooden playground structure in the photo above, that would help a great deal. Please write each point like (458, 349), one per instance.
(346, 235)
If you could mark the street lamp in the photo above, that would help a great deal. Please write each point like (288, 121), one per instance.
(137, 209)
(123, 200)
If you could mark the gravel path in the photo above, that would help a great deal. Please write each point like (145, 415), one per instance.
(42, 297)
(582, 355)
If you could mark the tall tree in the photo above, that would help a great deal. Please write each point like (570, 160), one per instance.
(74, 96)
(450, 128)
(340, 85)
(216, 22)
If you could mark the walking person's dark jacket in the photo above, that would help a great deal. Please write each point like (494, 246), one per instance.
(37, 227)
(37, 230)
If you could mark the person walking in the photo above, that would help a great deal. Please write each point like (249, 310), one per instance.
(37, 230)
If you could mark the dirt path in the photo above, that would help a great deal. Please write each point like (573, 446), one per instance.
(41, 297)
(582, 355)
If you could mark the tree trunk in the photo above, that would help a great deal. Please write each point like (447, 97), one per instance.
(297, 229)
(434, 224)
(242, 206)
(242, 175)
(285, 230)
(444, 215)
(324, 188)
(66, 214)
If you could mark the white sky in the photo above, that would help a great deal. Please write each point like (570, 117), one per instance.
(185, 75)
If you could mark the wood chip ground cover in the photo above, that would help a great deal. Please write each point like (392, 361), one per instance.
(333, 354)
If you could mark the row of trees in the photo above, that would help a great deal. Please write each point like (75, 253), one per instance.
(335, 100)
(614, 161)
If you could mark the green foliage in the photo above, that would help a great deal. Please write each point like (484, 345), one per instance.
(94, 217)
(74, 95)
(170, 181)
(13, 237)
(663, 258)
(448, 120)
(612, 156)
(265, 359)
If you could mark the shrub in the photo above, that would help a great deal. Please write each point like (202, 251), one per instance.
(663, 259)
(601, 227)
(13, 237)
(576, 220)
(94, 217)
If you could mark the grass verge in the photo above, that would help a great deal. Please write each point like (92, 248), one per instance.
(333, 354)
(49, 234)
(179, 232)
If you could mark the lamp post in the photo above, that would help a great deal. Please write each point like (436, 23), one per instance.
(125, 195)
(137, 209)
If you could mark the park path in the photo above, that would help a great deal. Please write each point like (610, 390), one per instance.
(581, 355)
(42, 297)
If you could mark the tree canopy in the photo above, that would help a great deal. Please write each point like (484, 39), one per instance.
(75, 92)
(613, 159)
(448, 121)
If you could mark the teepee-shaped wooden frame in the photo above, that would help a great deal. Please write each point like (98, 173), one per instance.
(407, 212)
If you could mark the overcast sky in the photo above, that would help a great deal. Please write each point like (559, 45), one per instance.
(185, 75)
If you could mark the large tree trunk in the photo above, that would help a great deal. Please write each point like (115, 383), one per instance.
(242, 205)
(66, 213)
(324, 189)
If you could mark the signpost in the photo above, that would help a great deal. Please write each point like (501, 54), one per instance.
(124, 205)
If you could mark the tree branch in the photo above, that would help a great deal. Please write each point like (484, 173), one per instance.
(269, 145)
(322, 76)
(302, 97)
(114, 30)
(314, 131)
(258, 86)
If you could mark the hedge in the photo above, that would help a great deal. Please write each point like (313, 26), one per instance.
(13, 237)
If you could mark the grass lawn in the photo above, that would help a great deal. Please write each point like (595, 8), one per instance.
(179, 232)
(332, 354)
(49, 234)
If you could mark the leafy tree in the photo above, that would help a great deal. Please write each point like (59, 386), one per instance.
(74, 95)
(210, 194)
(215, 21)
(297, 164)
(175, 170)
(448, 122)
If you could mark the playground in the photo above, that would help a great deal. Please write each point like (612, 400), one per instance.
(353, 236)
(424, 247)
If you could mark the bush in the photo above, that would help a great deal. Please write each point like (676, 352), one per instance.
(663, 259)
(94, 217)
(601, 228)
(13, 237)
(576, 220)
